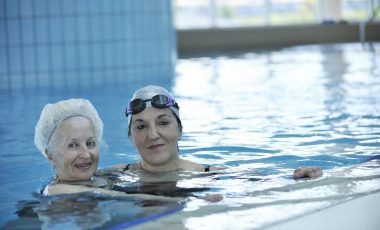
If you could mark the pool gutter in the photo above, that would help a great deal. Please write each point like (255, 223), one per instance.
(248, 38)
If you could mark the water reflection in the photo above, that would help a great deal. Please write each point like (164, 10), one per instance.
(335, 67)
(88, 211)
(281, 101)
(336, 120)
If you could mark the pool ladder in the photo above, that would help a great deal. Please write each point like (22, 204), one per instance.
(371, 17)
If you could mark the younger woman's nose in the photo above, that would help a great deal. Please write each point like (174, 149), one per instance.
(153, 133)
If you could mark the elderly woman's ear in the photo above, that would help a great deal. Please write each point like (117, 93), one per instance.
(49, 156)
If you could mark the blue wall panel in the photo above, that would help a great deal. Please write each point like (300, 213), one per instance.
(53, 43)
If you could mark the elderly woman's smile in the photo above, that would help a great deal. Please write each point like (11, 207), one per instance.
(83, 166)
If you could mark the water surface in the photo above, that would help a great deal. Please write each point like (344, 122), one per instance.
(261, 114)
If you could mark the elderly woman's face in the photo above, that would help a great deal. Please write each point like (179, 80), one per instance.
(155, 132)
(75, 154)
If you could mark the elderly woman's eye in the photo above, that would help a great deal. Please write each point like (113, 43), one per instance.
(91, 143)
(139, 127)
(73, 145)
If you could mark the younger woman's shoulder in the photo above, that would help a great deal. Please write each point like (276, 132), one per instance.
(191, 166)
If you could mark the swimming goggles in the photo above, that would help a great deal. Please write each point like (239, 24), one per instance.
(158, 101)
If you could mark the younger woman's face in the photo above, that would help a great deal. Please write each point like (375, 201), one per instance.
(156, 132)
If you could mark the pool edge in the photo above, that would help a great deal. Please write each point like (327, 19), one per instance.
(354, 214)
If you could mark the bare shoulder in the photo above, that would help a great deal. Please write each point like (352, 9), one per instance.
(215, 168)
(191, 166)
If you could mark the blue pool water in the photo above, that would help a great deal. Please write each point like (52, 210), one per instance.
(260, 113)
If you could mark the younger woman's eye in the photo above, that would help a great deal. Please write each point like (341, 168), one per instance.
(163, 123)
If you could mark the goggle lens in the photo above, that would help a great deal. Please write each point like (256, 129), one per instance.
(137, 106)
(158, 101)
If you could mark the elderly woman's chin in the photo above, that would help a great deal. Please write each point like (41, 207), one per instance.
(84, 174)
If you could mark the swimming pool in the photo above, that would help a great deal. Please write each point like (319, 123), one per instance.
(261, 113)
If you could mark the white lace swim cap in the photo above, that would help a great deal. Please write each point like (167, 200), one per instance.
(150, 91)
(54, 114)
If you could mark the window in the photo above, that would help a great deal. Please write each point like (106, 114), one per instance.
(236, 13)
(355, 10)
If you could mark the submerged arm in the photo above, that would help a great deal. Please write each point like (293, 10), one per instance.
(70, 189)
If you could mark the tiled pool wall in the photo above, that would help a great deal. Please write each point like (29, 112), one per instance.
(50, 44)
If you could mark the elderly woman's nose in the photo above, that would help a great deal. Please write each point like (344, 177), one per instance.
(84, 151)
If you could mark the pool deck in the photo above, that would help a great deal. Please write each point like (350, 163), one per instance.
(359, 213)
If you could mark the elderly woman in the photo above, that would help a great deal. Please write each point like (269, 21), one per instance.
(68, 134)
(155, 128)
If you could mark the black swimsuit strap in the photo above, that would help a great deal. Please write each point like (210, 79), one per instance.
(41, 190)
(127, 167)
